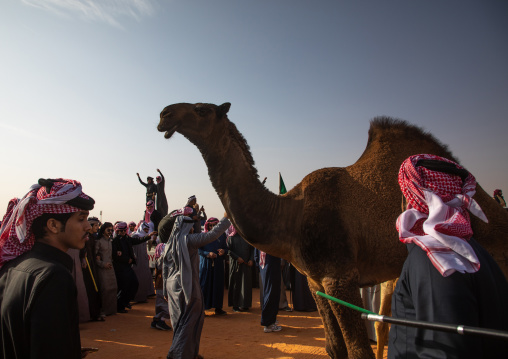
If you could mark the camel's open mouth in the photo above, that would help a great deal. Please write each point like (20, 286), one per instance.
(169, 132)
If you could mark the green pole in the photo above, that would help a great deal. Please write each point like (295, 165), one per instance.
(349, 305)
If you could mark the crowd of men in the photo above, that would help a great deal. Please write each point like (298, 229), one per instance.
(51, 253)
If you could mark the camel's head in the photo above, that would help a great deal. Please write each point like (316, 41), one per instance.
(191, 120)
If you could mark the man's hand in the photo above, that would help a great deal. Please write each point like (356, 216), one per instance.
(108, 266)
(212, 255)
(240, 260)
(225, 214)
(158, 170)
(153, 233)
(221, 251)
(250, 263)
(119, 253)
(137, 174)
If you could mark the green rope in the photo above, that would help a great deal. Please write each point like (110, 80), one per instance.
(349, 305)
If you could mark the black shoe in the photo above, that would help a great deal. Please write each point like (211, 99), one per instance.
(244, 309)
(121, 311)
(153, 324)
(161, 325)
(236, 309)
(129, 306)
(220, 312)
(287, 308)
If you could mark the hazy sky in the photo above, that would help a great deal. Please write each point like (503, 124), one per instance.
(82, 84)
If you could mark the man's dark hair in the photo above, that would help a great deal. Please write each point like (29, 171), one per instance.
(103, 228)
(39, 224)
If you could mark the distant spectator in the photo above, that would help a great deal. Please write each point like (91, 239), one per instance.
(270, 271)
(132, 228)
(123, 259)
(161, 201)
(141, 267)
(302, 296)
(211, 269)
(498, 196)
(90, 271)
(106, 273)
(241, 263)
(151, 188)
(196, 213)
(152, 217)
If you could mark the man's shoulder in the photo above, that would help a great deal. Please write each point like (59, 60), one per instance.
(36, 264)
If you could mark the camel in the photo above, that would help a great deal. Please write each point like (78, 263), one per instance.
(337, 226)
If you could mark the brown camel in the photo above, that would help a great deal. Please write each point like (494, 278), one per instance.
(337, 226)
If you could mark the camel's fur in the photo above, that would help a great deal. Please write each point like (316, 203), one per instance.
(337, 225)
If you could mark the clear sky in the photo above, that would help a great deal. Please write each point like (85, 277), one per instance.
(82, 84)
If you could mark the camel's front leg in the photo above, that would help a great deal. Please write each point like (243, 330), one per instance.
(352, 326)
(335, 346)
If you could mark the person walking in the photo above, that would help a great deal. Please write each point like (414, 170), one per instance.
(181, 282)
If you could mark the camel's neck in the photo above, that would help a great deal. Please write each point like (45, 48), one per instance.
(253, 209)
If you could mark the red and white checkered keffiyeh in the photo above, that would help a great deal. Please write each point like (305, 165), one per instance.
(436, 218)
(209, 222)
(16, 236)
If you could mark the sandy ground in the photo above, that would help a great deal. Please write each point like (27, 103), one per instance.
(233, 335)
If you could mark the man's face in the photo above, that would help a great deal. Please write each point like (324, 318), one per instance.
(108, 232)
(121, 232)
(150, 180)
(95, 228)
(132, 227)
(76, 231)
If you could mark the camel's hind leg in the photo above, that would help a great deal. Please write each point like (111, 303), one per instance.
(352, 326)
(335, 346)
(382, 328)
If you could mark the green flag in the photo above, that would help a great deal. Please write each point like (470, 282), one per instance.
(282, 186)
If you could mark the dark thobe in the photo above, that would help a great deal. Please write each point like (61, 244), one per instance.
(211, 273)
(473, 299)
(302, 297)
(143, 273)
(91, 279)
(271, 278)
(151, 189)
(38, 306)
(161, 202)
(187, 317)
(126, 279)
(240, 275)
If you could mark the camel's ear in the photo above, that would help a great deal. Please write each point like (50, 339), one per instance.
(223, 109)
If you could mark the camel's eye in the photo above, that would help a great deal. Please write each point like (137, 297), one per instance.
(202, 110)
